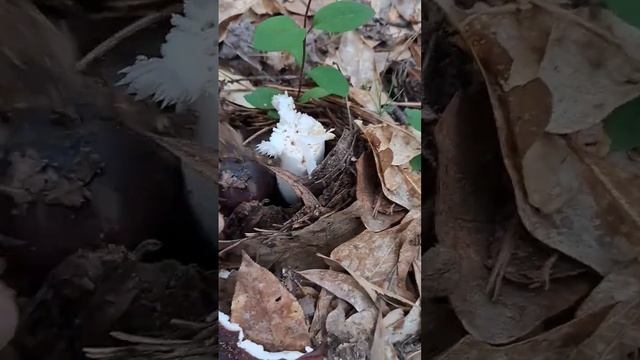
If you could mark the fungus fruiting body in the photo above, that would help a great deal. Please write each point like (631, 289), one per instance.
(186, 74)
(298, 140)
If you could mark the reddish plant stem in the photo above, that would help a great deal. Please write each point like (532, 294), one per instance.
(304, 50)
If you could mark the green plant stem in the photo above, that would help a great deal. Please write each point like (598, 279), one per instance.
(304, 50)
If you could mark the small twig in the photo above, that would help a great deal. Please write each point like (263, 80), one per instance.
(130, 3)
(116, 38)
(304, 50)
(261, 77)
(258, 133)
(146, 340)
(189, 324)
(346, 100)
(406, 104)
(546, 270)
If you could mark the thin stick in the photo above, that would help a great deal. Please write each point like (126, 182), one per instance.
(262, 131)
(114, 40)
(304, 49)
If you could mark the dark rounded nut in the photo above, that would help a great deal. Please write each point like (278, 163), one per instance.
(242, 180)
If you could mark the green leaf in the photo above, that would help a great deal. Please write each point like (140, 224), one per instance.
(414, 116)
(280, 33)
(261, 97)
(314, 93)
(272, 114)
(416, 163)
(330, 79)
(623, 126)
(342, 16)
(627, 10)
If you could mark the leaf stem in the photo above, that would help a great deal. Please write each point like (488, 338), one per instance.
(304, 50)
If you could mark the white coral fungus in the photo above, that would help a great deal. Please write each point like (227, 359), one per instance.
(298, 140)
(187, 67)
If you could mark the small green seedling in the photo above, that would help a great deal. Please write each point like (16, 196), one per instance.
(261, 97)
(281, 33)
(623, 124)
(414, 118)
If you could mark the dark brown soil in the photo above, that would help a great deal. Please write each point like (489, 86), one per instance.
(81, 192)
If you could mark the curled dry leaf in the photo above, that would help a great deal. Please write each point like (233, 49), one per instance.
(262, 7)
(393, 147)
(589, 64)
(356, 60)
(410, 10)
(467, 204)
(302, 191)
(234, 89)
(406, 327)
(381, 348)
(551, 71)
(266, 311)
(368, 99)
(619, 286)
(555, 344)
(378, 257)
(300, 6)
(616, 338)
(356, 328)
(341, 285)
(376, 211)
(231, 8)
(323, 305)
(8, 314)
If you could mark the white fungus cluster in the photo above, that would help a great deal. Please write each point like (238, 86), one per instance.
(187, 68)
(297, 140)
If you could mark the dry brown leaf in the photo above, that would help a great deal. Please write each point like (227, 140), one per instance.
(555, 344)
(374, 256)
(8, 314)
(356, 60)
(619, 286)
(409, 254)
(340, 285)
(355, 328)
(374, 291)
(381, 7)
(410, 10)
(549, 171)
(302, 191)
(266, 311)
(417, 272)
(393, 147)
(323, 305)
(381, 348)
(230, 8)
(588, 63)
(262, 7)
(299, 6)
(590, 203)
(234, 91)
(408, 326)
(467, 205)
(368, 99)
(617, 337)
(376, 211)
(279, 60)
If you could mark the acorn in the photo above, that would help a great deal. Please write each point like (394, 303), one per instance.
(242, 180)
(241, 176)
